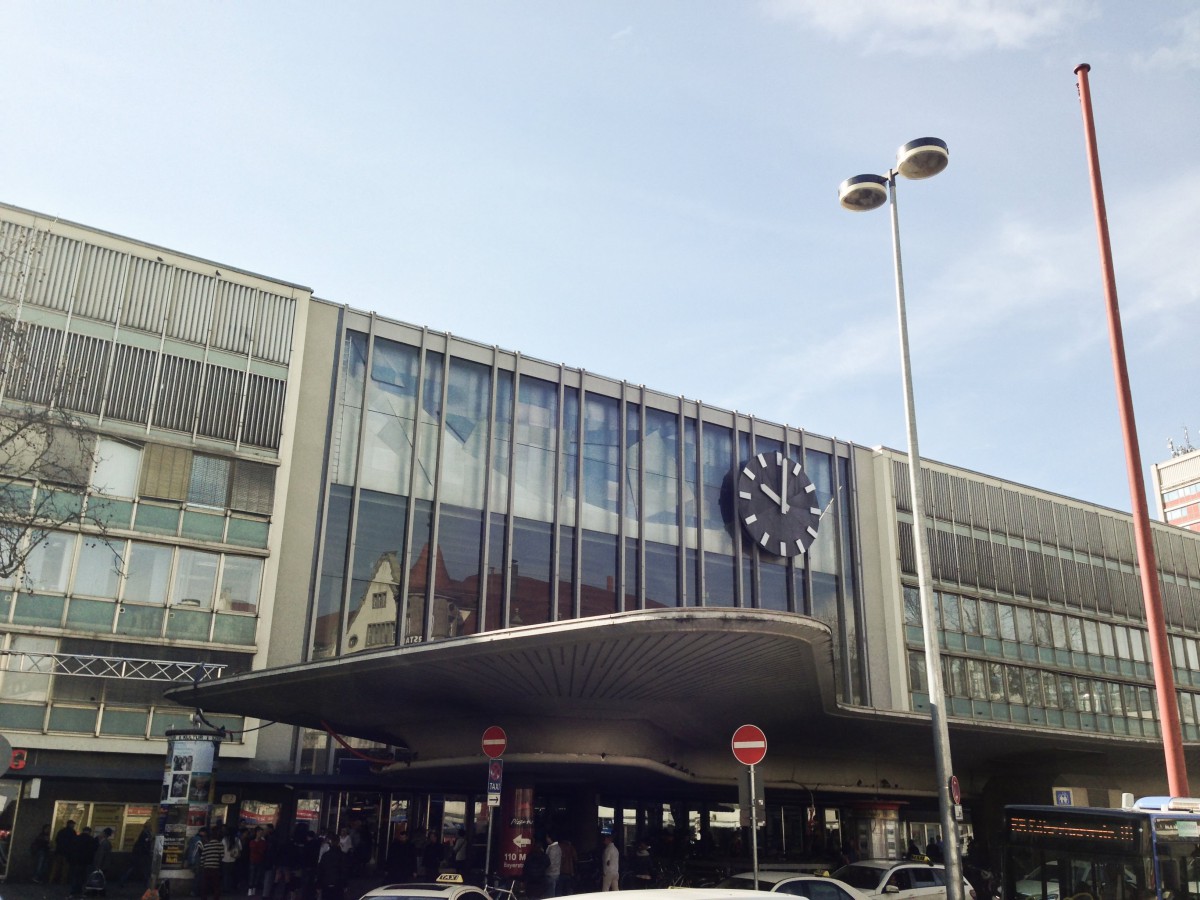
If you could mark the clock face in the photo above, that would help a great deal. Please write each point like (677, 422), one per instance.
(777, 504)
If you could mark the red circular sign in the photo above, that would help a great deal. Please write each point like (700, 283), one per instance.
(494, 742)
(749, 745)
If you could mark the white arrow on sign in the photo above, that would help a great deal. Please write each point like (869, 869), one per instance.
(522, 842)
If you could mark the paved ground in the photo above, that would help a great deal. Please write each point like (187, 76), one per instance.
(29, 891)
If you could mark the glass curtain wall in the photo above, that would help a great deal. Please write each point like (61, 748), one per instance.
(546, 497)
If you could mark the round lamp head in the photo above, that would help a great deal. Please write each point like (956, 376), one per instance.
(922, 158)
(863, 192)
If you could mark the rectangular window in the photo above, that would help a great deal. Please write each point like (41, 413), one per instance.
(951, 620)
(1091, 636)
(1024, 625)
(241, 578)
(1041, 622)
(912, 606)
(1075, 634)
(970, 615)
(28, 685)
(98, 573)
(49, 564)
(166, 472)
(148, 574)
(209, 481)
(1058, 624)
(195, 579)
(987, 619)
(253, 488)
(116, 470)
(1008, 627)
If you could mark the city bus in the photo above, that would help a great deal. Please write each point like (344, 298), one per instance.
(1148, 850)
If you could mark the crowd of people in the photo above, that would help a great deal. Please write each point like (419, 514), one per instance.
(263, 861)
(79, 858)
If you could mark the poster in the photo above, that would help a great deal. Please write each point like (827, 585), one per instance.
(516, 835)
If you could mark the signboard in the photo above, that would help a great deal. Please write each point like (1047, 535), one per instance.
(516, 833)
(749, 745)
(494, 742)
(495, 779)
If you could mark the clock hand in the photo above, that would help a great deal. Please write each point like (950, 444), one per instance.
(770, 493)
(783, 504)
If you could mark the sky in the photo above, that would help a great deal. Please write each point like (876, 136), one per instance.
(647, 189)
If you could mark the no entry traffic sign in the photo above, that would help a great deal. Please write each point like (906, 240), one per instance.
(494, 742)
(749, 745)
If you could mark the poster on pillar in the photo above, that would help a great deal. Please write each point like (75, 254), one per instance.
(187, 794)
(516, 835)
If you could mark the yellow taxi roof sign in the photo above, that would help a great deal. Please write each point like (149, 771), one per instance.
(450, 878)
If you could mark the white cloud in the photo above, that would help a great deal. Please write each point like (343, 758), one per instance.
(943, 28)
(1184, 53)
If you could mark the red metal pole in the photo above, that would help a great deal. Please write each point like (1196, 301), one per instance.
(1160, 651)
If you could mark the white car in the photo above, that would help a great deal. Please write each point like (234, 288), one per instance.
(714, 893)
(446, 887)
(812, 887)
(899, 879)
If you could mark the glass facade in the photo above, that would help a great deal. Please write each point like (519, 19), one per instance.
(471, 490)
(1040, 612)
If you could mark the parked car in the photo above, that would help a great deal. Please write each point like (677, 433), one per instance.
(812, 887)
(713, 893)
(899, 879)
(446, 887)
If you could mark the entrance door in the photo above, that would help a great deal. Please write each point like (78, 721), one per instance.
(10, 795)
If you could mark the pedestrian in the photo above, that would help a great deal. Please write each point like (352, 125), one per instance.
(211, 853)
(460, 851)
(273, 871)
(232, 849)
(103, 856)
(554, 866)
(402, 860)
(533, 871)
(60, 864)
(139, 859)
(41, 849)
(641, 867)
(192, 855)
(610, 861)
(256, 856)
(431, 856)
(566, 875)
(83, 852)
(331, 869)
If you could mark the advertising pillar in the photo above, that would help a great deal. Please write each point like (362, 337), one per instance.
(187, 797)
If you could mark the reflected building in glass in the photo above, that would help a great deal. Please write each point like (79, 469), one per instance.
(472, 489)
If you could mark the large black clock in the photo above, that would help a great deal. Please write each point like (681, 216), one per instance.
(777, 504)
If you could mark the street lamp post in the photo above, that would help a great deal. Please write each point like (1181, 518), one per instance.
(922, 158)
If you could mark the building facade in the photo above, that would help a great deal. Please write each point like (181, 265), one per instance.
(384, 539)
(1177, 486)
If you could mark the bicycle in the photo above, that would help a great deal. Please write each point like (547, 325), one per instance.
(496, 889)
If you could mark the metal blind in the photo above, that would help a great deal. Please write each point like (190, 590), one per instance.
(209, 481)
(253, 487)
(166, 472)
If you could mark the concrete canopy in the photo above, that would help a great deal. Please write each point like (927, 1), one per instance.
(645, 698)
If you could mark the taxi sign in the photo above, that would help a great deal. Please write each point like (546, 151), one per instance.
(450, 878)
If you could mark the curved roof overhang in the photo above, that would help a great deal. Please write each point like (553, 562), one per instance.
(681, 673)
(645, 697)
